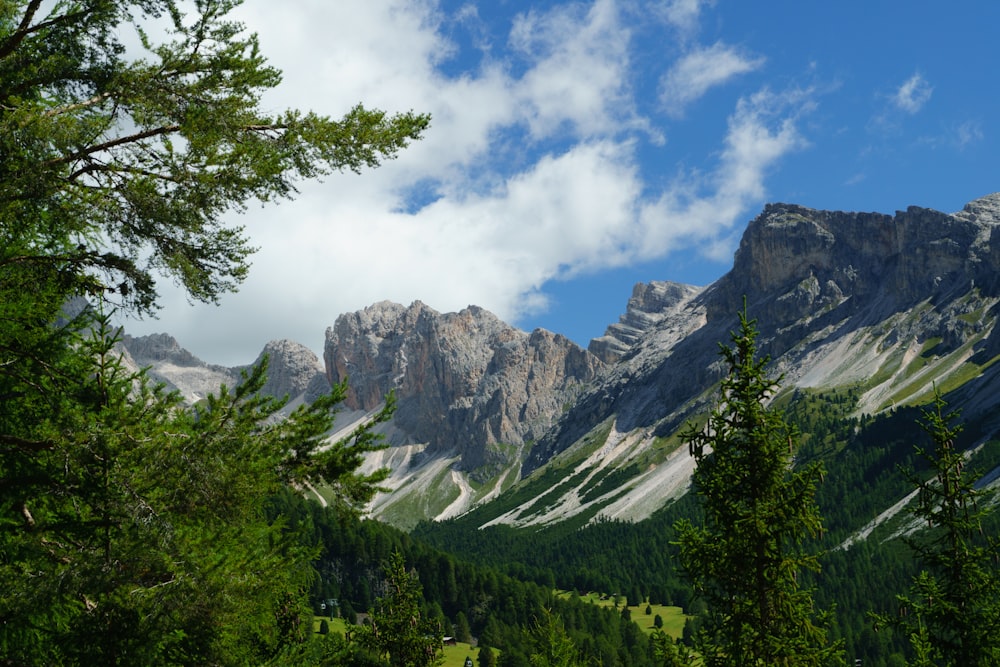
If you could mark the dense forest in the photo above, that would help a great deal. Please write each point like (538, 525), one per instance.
(864, 458)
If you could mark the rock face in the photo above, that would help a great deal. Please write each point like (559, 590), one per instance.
(293, 370)
(835, 295)
(884, 305)
(177, 368)
(464, 381)
(650, 304)
(796, 261)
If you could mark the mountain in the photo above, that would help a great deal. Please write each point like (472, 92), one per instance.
(529, 429)
(471, 392)
(293, 369)
(883, 305)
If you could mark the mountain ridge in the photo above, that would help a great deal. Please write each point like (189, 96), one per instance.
(883, 304)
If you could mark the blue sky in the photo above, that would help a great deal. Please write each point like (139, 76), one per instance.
(577, 148)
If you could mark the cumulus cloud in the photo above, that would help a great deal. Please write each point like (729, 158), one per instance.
(698, 71)
(703, 209)
(577, 74)
(913, 94)
(530, 171)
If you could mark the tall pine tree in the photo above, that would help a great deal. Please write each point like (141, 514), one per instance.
(399, 632)
(953, 607)
(759, 514)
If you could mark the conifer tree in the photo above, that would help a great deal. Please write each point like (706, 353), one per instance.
(398, 632)
(486, 657)
(120, 163)
(141, 536)
(552, 646)
(668, 652)
(759, 514)
(953, 607)
(132, 527)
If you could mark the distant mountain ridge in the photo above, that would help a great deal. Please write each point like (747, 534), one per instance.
(293, 369)
(883, 304)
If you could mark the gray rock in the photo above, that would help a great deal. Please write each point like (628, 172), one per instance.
(811, 278)
(464, 381)
(650, 304)
(293, 370)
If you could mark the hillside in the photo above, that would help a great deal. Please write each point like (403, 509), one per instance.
(875, 305)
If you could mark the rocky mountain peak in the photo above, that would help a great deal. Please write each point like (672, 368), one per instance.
(463, 380)
(837, 296)
(159, 347)
(293, 369)
(174, 366)
(794, 262)
(985, 210)
(648, 306)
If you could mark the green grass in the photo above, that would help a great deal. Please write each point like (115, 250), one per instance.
(912, 392)
(673, 617)
(454, 656)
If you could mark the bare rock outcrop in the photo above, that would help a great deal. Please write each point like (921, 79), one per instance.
(177, 368)
(649, 305)
(464, 381)
(819, 283)
(293, 370)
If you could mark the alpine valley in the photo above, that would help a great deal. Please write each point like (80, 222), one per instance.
(864, 310)
(564, 467)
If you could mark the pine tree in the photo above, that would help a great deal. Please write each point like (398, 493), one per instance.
(398, 631)
(147, 540)
(759, 513)
(486, 657)
(953, 607)
(668, 652)
(552, 646)
(462, 631)
(132, 527)
(117, 167)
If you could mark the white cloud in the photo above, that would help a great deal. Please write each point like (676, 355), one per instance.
(698, 71)
(578, 70)
(968, 132)
(703, 209)
(913, 94)
(530, 170)
(682, 14)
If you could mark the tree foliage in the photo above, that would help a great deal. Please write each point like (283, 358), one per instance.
(668, 652)
(397, 631)
(119, 162)
(953, 606)
(746, 558)
(138, 533)
(552, 645)
(133, 527)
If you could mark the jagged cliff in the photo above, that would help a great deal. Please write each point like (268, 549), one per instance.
(650, 304)
(293, 369)
(888, 304)
(465, 382)
(883, 304)
(178, 369)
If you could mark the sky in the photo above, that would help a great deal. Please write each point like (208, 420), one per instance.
(578, 148)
